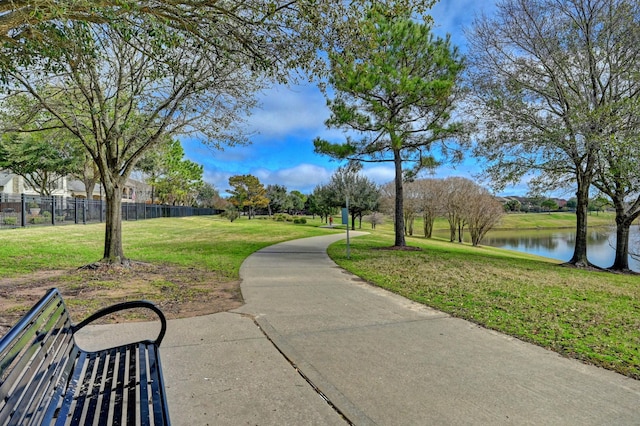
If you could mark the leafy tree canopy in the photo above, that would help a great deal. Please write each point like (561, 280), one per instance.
(40, 158)
(247, 192)
(395, 88)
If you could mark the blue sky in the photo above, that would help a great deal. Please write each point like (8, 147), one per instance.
(289, 118)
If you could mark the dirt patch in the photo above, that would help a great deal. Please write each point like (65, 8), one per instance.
(179, 292)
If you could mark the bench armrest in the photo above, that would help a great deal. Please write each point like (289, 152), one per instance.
(124, 306)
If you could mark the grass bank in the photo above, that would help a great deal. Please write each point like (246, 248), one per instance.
(522, 221)
(552, 220)
(591, 316)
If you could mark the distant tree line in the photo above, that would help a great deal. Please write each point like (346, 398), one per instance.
(465, 205)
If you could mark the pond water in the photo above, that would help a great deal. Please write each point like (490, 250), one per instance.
(559, 243)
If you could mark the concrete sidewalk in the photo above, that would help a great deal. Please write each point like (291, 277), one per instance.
(381, 359)
(369, 356)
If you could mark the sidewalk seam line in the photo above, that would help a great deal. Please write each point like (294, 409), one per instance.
(308, 380)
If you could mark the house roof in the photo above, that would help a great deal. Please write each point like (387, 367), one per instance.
(5, 177)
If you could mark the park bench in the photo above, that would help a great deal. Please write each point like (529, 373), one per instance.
(47, 379)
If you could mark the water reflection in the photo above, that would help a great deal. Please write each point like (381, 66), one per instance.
(559, 243)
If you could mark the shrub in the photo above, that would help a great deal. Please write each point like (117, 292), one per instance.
(231, 214)
(46, 214)
(37, 220)
(10, 220)
(300, 220)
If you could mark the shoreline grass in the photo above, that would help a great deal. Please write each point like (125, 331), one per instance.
(527, 221)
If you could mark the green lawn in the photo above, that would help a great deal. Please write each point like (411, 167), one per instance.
(552, 220)
(209, 242)
(556, 220)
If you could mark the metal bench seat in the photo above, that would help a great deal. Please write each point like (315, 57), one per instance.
(47, 379)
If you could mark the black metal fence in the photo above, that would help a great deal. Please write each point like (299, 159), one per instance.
(20, 210)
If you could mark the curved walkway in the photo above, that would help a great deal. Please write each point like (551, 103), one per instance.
(314, 345)
(381, 359)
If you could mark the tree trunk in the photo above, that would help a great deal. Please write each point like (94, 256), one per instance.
(452, 227)
(624, 219)
(621, 262)
(113, 252)
(399, 225)
(89, 186)
(428, 225)
(580, 250)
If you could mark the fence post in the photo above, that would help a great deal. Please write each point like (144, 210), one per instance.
(84, 211)
(53, 209)
(23, 216)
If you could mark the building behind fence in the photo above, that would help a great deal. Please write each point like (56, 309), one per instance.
(21, 210)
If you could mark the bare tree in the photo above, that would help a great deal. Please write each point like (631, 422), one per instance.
(548, 75)
(411, 206)
(617, 177)
(431, 198)
(387, 199)
(456, 191)
(481, 212)
(375, 219)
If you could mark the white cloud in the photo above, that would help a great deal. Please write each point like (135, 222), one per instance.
(303, 177)
(288, 110)
(454, 16)
(380, 174)
(219, 179)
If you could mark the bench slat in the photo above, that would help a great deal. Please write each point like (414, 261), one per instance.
(71, 390)
(104, 407)
(86, 386)
(95, 391)
(117, 400)
(17, 357)
(131, 385)
(41, 347)
(54, 360)
(144, 382)
(157, 390)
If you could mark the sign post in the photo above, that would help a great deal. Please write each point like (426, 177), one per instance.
(345, 221)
